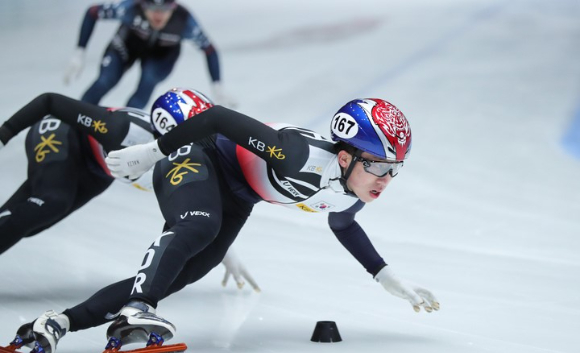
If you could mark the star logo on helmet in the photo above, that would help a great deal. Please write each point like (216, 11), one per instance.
(198, 108)
(185, 109)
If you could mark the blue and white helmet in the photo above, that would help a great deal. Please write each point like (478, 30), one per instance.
(176, 106)
(374, 126)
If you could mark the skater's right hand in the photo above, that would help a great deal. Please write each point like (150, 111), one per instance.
(236, 269)
(75, 66)
(417, 296)
(133, 161)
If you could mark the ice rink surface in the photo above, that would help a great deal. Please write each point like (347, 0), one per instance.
(486, 213)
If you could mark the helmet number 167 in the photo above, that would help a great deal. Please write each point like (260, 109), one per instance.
(344, 126)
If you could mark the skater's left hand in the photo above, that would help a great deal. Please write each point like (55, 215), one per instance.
(418, 297)
(221, 97)
(133, 161)
(75, 66)
(235, 268)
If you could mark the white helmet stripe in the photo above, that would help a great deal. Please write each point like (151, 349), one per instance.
(368, 105)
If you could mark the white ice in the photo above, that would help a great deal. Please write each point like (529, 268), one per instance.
(486, 213)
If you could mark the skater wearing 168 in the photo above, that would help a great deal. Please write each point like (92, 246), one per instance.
(66, 147)
(210, 171)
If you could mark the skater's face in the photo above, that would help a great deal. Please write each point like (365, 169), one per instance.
(365, 185)
(158, 17)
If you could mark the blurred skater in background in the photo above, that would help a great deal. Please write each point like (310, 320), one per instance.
(151, 32)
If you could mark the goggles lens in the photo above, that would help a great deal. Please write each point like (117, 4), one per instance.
(380, 168)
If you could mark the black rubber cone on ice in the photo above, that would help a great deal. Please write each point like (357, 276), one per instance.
(326, 331)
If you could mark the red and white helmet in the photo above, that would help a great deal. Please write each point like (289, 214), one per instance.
(176, 106)
(374, 126)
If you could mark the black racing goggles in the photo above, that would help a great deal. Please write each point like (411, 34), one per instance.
(380, 168)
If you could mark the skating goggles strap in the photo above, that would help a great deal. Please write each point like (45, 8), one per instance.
(380, 168)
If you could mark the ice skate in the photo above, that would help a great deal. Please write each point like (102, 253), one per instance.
(24, 338)
(154, 345)
(48, 329)
(137, 322)
(42, 335)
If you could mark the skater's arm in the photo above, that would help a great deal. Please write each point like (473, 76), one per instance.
(236, 269)
(122, 10)
(286, 151)
(194, 32)
(54, 104)
(5, 135)
(213, 63)
(354, 239)
(89, 118)
(88, 25)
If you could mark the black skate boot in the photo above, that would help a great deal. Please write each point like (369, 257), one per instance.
(48, 329)
(24, 337)
(136, 322)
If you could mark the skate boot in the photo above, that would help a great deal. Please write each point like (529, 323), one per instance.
(24, 338)
(48, 329)
(136, 323)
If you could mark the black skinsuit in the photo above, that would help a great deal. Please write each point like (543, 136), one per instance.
(65, 163)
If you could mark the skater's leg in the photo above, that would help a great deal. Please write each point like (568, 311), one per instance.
(187, 189)
(135, 322)
(235, 216)
(89, 186)
(59, 182)
(8, 234)
(98, 309)
(154, 69)
(44, 333)
(49, 193)
(113, 66)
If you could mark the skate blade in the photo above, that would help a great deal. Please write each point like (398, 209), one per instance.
(9, 349)
(170, 348)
